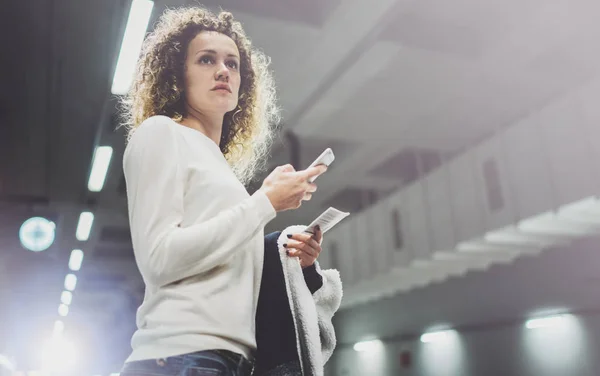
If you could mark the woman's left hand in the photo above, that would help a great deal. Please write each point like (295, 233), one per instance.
(305, 246)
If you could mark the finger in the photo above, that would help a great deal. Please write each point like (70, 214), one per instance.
(299, 246)
(313, 249)
(302, 237)
(311, 187)
(313, 172)
(318, 236)
(307, 196)
(313, 241)
(293, 252)
(297, 252)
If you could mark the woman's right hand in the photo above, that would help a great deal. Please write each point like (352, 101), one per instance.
(287, 188)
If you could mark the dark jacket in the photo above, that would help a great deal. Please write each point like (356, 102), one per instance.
(295, 307)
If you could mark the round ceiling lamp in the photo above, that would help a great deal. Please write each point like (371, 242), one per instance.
(37, 234)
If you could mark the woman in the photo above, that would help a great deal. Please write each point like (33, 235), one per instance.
(199, 112)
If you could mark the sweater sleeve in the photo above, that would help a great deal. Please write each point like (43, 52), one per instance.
(312, 278)
(165, 251)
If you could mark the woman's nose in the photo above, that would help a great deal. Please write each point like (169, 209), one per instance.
(222, 73)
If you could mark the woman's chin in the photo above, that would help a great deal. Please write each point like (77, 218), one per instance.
(223, 105)
(216, 106)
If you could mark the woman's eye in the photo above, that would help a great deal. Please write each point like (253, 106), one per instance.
(206, 60)
(232, 64)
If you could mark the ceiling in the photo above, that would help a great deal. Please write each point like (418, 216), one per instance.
(379, 82)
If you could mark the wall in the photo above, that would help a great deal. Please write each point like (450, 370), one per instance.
(567, 350)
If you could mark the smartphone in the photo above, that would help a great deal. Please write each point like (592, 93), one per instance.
(326, 158)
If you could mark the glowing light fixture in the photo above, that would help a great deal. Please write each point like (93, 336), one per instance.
(63, 310)
(70, 282)
(66, 297)
(437, 336)
(545, 322)
(137, 23)
(100, 164)
(84, 226)
(37, 234)
(368, 345)
(76, 259)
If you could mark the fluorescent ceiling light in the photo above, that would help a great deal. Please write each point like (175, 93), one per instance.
(70, 282)
(137, 23)
(437, 336)
(63, 310)
(76, 259)
(100, 164)
(368, 345)
(84, 226)
(545, 322)
(66, 297)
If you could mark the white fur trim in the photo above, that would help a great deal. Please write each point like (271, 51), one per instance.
(312, 314)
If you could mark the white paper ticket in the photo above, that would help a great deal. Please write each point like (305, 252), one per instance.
(327, 220)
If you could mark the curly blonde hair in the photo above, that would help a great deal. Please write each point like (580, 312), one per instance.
(158, 86)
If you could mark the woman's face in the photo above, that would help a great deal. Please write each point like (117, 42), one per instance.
(212, 73)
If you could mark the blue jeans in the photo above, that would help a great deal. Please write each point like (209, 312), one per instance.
(201, 363)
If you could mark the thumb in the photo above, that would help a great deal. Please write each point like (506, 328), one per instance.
(318, 236)
(314, 171)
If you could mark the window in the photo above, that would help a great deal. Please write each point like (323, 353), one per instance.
(333, 251)
(397, 228)
(492, 185)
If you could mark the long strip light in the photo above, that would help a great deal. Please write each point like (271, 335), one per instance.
(76, 259)
(70, 282)
(545, 322)
(137, 23)
(63, 310)
(100, 164)
(437, 336)
(365, 346)
(66, 297)
(84, 226)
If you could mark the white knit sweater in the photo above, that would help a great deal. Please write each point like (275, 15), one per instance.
(198, 242)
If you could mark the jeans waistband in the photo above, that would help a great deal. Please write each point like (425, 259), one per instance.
(245, 366)
(221, 360)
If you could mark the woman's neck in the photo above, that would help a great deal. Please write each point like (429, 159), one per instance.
(209, 125)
